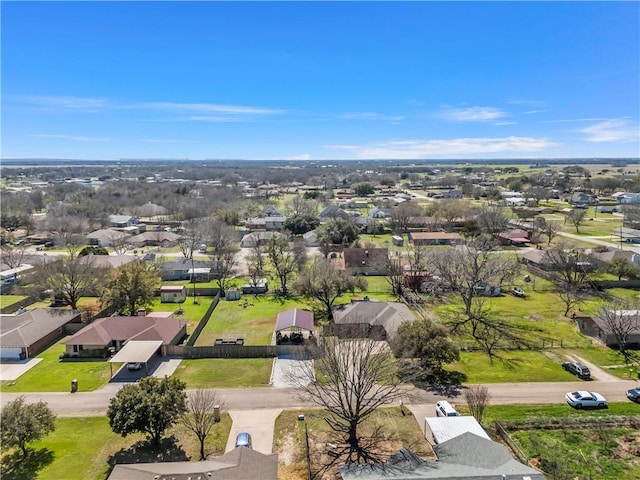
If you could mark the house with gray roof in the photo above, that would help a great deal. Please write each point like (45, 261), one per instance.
(241, 463)
(27, 333)
(106, 237)
(465, 457)
(369, 319)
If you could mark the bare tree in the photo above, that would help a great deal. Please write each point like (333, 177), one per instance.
(120, 242)
(402, 214)
(621, 320)
(201, 417)
(256, 264)
(71, 277)
(324, 283)
(569, 272)
(548, 228)
(300, 206)
(14, 255)
(223, 245)
(451, 211)
(468, 270)
(576, 218)
(284, 259)
(492, 220)
(354, 378)
(477, 397)
(67, 230)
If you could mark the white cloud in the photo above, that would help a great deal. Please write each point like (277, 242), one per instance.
(304, 156)
(531, 112)
(500, 124)
(615, 130)
(212, 119)
(75, 138)
(161, 140)
(63, 102)
(372, 116)
(472, 114)
(530, 102)
(209, 108)
(416, 149)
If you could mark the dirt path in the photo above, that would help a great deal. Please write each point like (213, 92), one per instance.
(597, 373)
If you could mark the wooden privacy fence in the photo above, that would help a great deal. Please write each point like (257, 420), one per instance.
(239, 351)
(203, 321)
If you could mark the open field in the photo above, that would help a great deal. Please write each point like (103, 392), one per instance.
(225, 372)
(54, 375)
(84, 449)
(6, 300)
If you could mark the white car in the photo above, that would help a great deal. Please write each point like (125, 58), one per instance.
(584, 399)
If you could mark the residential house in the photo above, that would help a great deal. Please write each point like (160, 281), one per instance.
(241, 463)
(626, 198)
(367, 319)
(28, 332)
(379, 213)
(603, 257)
(582, 200)
(434, 238)
(158, 238)
(464, 457)
(272, 211)
(274, 223)
(256, 223)
(251, 240)
(600, 328)
(186, 269)
(516, 237)
(311, 239)
(363, 261)
(108, 261)
(122, 221)
(114, 332)
(330, 212)
(255, 287)
(425, 224)
(107, 237)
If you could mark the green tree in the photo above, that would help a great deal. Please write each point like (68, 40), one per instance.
(130, 287)
(576, 218)
(322, 282)
(150, 406)
(622, 267)
(21, 423)
(93, 250)
(338, 231)
(301, 224)
(363, 189)
(426, 346)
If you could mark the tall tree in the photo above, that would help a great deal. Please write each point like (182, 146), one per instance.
(300, 206)
(576, 217)
(402, 214)
(622, 267)
(21, 423)
(337, 231)
(351, 380)
(451, 211)
(284, 259)
(14, 255)
(569, 272)
(324, 283)
(200, 416)
(492, 220)
(130, 287)
(150, 406)
(621, 320)
(71, 277)
(223, 251)
(426, 345)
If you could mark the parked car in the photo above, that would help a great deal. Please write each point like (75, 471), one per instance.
(134, 366)
(518, 292)
(581, 371)
(586, 399)
(243, 440)
(634, 394)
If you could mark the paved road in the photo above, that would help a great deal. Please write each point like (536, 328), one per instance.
(237, 399)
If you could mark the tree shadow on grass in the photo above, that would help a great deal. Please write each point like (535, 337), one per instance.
(15, 467)
(444, 383)
(168, 450)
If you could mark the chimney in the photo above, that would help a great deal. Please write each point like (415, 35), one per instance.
(142, 312)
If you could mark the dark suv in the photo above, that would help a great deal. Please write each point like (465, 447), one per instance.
(577, 369)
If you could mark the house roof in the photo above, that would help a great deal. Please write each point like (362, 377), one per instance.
(295, 318)
(434, 236)
(241, 463)
(446, 428)
(108, 261)
(387, 314)
(364, 257)
(630, 316)
(332, 211)
(104, 330)
(121, 218)
(256, 236)
(184, 264)
(467, 457)
(22, 330)
(157, 236)
(136, 351)
(107, 234)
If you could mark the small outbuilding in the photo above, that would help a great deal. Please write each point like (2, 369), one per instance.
(173, 293)
(232, 294)
(290, 326)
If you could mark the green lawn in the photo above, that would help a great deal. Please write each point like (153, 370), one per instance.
(505, 413)
(225, 372)
(6, 300)
(193, 313)
(81, 449)
(53, 375)
(520, 366)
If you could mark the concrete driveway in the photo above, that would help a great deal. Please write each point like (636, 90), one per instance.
(258, 423)
(13, 369)
(287, 372)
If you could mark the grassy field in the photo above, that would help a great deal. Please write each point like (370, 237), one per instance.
(225, 372)
(192, 312)
(527, 412)
(6, 300)
(84, 448)
(53, 375)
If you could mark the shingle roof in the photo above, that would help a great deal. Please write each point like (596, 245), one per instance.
(387, 314)
(27, 328)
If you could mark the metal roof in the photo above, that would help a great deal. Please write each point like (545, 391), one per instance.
(295, 318)
(446, 428)
(136, 351)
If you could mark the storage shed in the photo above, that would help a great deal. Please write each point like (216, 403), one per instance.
(173, 294)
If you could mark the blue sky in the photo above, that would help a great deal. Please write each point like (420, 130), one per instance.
(320, 80)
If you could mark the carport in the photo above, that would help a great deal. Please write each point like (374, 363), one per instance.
(293, 322)
(136, 351)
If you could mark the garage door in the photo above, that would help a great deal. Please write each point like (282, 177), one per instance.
(7, 352)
